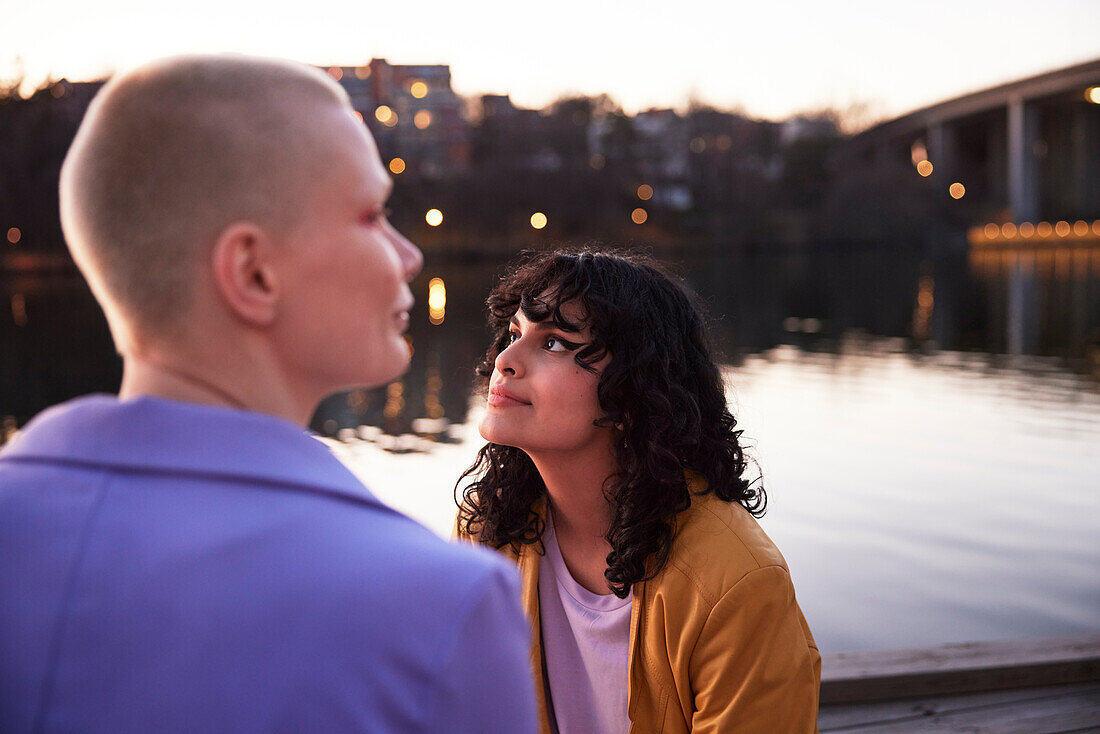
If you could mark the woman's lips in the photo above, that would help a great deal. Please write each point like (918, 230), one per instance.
(401, 315)
(501, 398)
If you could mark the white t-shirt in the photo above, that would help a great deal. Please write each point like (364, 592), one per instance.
(586, 646)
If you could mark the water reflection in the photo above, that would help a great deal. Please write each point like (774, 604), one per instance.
(54, 344)
(929, 498)
(447, 337)
(437, 301)
(1042, 300)
(1039, 302)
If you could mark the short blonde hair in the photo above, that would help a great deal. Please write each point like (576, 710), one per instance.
(170, 154)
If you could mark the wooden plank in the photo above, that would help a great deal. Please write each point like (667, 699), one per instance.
(1053, 715)
(959, 668)
(838, 717)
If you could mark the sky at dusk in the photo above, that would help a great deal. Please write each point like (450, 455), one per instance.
(766, 59)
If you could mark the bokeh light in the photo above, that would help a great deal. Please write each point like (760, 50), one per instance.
(538, 220)
(926, 295)
(434, 217)
(383, 114)
(924, 168)
(1027, 229)
(1062, 229)
(395, 400)
(918, 152)
(14, 235)
(422, 119)
(397, 166)
(418, 89)
(957, 190)
(437, 294)
(1092, 94)
(645, 192)
(19, 309)
(1080, 228)
(638, 216)
(1043, 229)
(992, 231)
(1008, 229)
(437, 301)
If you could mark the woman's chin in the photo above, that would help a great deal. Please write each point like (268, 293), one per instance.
(493, 433)
(486, 429)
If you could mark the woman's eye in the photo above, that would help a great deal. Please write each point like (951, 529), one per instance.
(554, 344)
(513, 336)
(376, 217)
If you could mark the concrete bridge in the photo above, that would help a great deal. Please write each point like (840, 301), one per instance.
(1023, 152)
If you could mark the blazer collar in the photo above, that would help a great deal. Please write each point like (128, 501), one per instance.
(168, 437)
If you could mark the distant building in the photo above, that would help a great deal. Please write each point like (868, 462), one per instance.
(412, 112)
(801, 127)
(356, 82)
(499, 106)
(661, 153)
(72, 98)
(418, 116)
(35, 133)
(514, 138)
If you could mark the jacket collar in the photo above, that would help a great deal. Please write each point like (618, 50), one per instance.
(155, 435)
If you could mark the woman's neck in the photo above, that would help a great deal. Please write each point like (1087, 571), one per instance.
(176, 378)
(575, 486)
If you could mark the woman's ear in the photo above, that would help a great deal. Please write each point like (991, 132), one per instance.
(244, 273)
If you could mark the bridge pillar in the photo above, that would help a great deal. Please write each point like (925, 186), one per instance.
(1023, 168)
(1082, 162)
(942, 150)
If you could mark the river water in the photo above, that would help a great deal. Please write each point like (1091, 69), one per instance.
(927, 427)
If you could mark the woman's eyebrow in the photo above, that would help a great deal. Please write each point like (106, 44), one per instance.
(547, 325)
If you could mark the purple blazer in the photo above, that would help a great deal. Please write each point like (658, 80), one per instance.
(173, 567)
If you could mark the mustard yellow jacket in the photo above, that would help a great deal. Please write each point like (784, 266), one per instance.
(718, 643)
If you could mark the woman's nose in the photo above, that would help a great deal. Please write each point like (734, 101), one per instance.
(509, 361)
(409, 254)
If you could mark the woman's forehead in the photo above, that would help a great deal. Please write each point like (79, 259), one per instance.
(542, 308)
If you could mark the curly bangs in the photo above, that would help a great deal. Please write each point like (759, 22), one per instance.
(661, 390)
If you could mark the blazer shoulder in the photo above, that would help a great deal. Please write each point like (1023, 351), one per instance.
(716, 544)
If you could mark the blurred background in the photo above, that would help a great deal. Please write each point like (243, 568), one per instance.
(891, 214)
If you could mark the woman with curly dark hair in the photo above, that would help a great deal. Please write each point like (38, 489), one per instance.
(614, 476)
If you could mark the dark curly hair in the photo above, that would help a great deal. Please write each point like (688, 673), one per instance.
(661, 389)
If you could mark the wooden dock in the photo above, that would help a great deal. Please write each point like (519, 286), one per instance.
(1044, 686)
